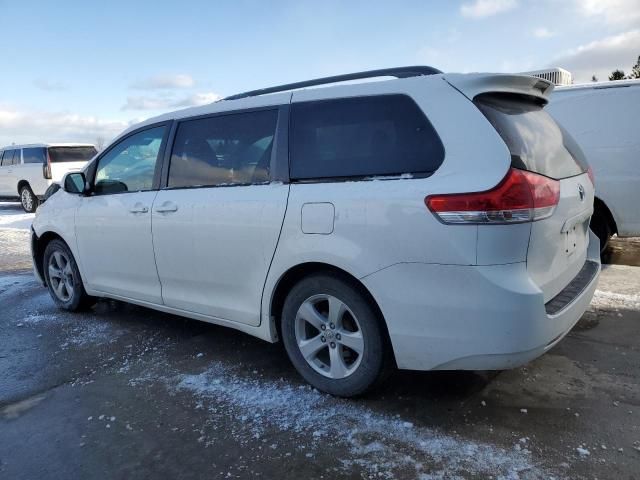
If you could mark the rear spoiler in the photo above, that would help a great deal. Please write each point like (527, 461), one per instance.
(474, 84)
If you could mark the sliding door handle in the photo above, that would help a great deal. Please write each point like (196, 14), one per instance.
(139, 209)
(166, 207)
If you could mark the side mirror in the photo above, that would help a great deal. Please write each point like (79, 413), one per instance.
(75, 182)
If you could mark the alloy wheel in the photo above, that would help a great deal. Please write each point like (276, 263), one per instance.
(27, 199)
(329, 337)
(61, 276)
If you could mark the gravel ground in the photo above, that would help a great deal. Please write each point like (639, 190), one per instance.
(127, 392)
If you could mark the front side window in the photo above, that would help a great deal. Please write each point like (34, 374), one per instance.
(362, 137)
(16, 157)
(232, 149)
(7, 157)
(34, 155)
(130, 165)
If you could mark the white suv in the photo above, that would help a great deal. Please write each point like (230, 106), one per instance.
(26, 171)
(432, 221)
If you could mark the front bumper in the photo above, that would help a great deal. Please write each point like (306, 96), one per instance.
(449, 317)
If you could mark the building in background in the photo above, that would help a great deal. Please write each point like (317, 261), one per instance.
(558, 76)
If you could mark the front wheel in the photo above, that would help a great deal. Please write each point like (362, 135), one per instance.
(334, 336)
(63, 278)
(28, 199)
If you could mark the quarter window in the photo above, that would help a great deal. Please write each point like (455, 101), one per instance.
(34, 155)
(130, 165)
(362, 137)
(232, 149)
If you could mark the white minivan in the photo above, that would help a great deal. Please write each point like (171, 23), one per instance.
(431, 221)
(26, 171)
(602, 118)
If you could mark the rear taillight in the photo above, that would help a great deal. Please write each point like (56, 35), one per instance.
(591, 177)
(520, 197)
(46, 167)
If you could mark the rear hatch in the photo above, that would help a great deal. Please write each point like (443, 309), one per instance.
(64, 159)
(558, 243)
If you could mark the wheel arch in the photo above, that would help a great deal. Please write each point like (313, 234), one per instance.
(39, 247)
(23, 183)
(296, 273)
(601, 206)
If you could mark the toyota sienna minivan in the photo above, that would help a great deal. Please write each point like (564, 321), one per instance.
(431, 221)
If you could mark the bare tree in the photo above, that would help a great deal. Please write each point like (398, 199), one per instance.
(100, 141)
(594, 78)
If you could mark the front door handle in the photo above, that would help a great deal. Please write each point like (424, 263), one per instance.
(139, 208)
(166, 207)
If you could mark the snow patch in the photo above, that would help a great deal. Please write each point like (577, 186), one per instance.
(612, 300)
(376, 442)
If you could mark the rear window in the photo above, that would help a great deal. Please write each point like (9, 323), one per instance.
(362, 137)
(71, 154)
(536, 142)
(34, 155)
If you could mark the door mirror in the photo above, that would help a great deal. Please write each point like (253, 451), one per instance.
(75, 182)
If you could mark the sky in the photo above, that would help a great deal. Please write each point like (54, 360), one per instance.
(84, 71)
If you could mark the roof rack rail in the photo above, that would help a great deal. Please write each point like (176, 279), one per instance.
(398, 72)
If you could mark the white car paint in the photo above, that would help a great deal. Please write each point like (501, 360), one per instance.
(452, 296)
(602, 118)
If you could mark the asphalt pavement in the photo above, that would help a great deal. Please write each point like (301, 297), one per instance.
(126, 392)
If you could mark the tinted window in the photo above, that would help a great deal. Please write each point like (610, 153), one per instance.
(7, 157)
(16, 157)
(361, 137)
(130, 165)
(34, 155)
(225, 150)
(536, 142)
(71, 154)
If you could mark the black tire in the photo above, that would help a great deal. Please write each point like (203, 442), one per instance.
(375, 362)
(28, 199)
(601, 228)
(77, 296)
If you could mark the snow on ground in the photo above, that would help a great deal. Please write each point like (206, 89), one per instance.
(618, 288)
(382, 444)
(13, 217)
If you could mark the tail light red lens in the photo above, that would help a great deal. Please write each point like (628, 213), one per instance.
(520, 197)
(46, 167)
(591, 177)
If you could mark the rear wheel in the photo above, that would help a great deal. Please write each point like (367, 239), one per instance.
(28, 199)
(333, 336)
(600, 226)
(63, 278)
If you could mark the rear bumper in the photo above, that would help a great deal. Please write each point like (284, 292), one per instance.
(449, 317)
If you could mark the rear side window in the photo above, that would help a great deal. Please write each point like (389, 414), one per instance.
(536, 142)
(34, 155)
(71, 154)
(362, 137)
(232, 149)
